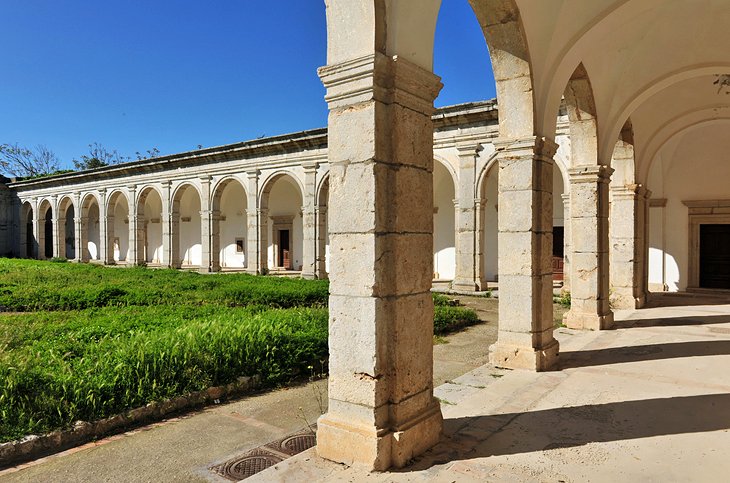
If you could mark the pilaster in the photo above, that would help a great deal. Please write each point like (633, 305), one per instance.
(36, 248)
(567, 245)
(468, 260)
(106, 252)
(78, 229)
(309, 222)
(167, 258)
(56, 222)
(206, 222)
(525, 338)
(382, 411)
(136, 228)
(589, 282)
(252, 223)
(322, 242)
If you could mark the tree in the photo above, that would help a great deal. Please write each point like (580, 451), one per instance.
(23, 162)
(98, 157)
(151, 153)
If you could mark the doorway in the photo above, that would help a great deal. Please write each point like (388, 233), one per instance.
(715, 256)
(284, 249)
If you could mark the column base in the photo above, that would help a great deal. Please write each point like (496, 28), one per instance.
(465, 285)
(517, 357)
(579, 321)
(378, 449)
(309, 276)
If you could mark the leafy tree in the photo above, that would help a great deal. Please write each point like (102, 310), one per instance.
(98, 157)
(23, 162)
(150, 153)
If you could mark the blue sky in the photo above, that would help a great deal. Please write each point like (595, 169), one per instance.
(175, 74)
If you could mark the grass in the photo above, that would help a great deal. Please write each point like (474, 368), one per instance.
(84, 342)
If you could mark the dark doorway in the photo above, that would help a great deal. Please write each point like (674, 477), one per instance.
(558, 252)
(284, 250)
(715, 256)
(48, 248)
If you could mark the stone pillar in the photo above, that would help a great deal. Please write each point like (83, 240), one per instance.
(252, 223)
(106, 251)
(78, 227)
(167, 259)
(262, 216)
(56, 221)
(206, 222)
(215, 240)
(525, 338)
(382, 411)
(589, 307)
(567, 245)
(468, 260)
(643, 252)
(136, 227)
(322, 240)
(626, 242)
(309, 222)
(36, 249)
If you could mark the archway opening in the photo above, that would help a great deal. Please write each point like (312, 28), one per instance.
(323, 238)
(282, 202)
(444, 220)
(67, 229)
(90, 231)
(27, 238)
(230, 226)
(149, 210)
(118, 228)
(187, 225)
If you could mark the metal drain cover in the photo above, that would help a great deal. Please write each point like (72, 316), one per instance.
(258, 459)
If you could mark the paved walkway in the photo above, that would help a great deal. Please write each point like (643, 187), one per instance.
(649, 401)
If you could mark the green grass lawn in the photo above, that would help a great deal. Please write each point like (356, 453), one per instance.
(83, 342)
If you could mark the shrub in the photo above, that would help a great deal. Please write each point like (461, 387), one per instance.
(448, 319)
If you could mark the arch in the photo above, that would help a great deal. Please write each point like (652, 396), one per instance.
(581, 107)
(28, 242)
(149, 225)
(45, 229)
(229, 230)
(323, 189)
(444, 220)
(282, 233)
(90, 228)
(664, 132)
(322, 228)
(186, 244)
(66, 229)
(117, 227)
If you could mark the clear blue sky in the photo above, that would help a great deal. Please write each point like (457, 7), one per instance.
(174, 74)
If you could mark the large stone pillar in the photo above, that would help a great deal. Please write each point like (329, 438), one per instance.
(262, 227)
(309, 222)
(252, 223)
(78, 227)
(322, 241)
(382, 411)
(133, 226)
(206, 224)
(36, 248)
(589, 277)
(57, 222)
(626, 242)
(215, 240)
(468, 260)
(525, 338)
(167, 258)
(106, 250)
(567, 245)
(643, 252)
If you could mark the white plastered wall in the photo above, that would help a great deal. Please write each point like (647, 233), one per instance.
(191, 248)
(232, 226)
(285, 199)
(444, 251)
(120, 242)
(694, 165)
(153, 223)
(94, 240)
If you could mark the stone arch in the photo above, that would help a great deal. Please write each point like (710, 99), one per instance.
(186, 244)
(66, 229)
(150, 225)
(117, 227)
(582, 118)
(281, 200)
(229, 230)
(45, 229)
(91, 236)
(28, 242)
(444, 220)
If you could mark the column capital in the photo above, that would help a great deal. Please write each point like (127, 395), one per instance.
(380, 78)
(206, 179)
(310, 166)
(253, 173)
(565, 197)
(536, 146)
(628, 191)
(598, 173)
(468, 148)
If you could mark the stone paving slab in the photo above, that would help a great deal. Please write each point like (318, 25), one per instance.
(647, 402)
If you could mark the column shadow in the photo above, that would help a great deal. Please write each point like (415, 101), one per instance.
(672, 321)
(567, 427)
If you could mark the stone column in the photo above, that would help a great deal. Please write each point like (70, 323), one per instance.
(262, 217)
(36, 249)
(78, 227)
(56, 221)
(643, 253)
(626, 244)
(567, 245)
(206, 221)
(252, 223)
(468, 261)
(382, 411)
(309, 222)
(106, 250)
(321, 262)
(19, 235)
(525, 338)
(215, 240)
(589, 281)
(136, 227)
(167, 259)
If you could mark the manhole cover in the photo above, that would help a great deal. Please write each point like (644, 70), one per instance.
(258, 459)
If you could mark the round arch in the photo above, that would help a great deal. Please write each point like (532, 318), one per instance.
(282, 234)
(230, 224)
(117, 227)
(187, 239)
(45, 230)
(149, 222)
(66, 229)
(91, 235)
(445, 187)
(28, 242)
(271, 179)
